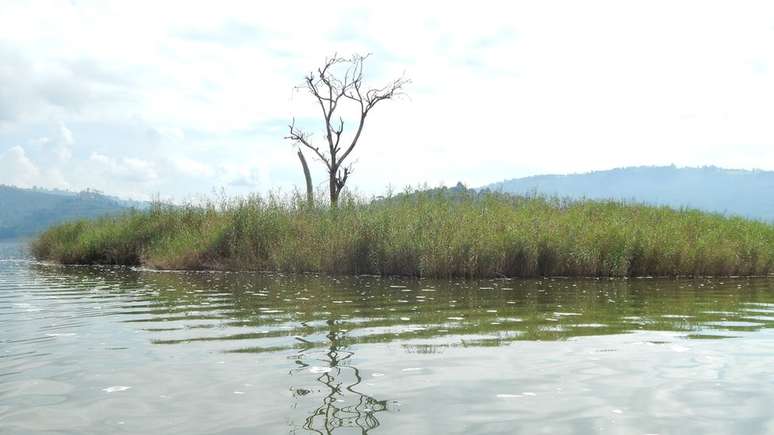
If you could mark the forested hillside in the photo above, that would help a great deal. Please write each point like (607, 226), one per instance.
(26, 212)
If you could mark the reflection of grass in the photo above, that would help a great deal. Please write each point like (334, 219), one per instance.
(249, 312)
(425, 234)
(709, 336)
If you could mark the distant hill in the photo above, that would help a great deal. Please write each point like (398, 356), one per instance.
(26, 212)
(729, 191)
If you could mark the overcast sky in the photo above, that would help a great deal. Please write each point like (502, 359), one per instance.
(144, 98)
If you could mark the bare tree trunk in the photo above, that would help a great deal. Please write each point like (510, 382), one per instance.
(334, 191)
(308, 176)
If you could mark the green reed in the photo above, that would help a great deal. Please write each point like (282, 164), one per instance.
(429, 234)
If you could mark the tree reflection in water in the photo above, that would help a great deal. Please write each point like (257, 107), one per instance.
(343, 406)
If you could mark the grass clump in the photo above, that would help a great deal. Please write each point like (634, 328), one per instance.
(428, 234)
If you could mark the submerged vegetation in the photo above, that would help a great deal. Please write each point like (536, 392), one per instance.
(428, 234)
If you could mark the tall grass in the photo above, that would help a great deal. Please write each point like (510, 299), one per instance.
(429, 234)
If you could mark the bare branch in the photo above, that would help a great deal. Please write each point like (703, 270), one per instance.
(338, 131)
(352, 144)
(342, 175)
(300, 137)
(388, 92)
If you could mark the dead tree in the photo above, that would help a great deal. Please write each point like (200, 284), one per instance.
(340, 79)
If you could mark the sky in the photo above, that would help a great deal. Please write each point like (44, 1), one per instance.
(183, 99)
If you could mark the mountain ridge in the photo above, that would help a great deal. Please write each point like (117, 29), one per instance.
(739, 192)
(24, 212)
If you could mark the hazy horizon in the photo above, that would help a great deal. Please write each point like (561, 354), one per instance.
(396, 189)
(137, 99)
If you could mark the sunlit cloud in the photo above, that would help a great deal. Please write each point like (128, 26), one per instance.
(201, 97)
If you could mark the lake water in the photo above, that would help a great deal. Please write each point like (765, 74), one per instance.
(88, 350)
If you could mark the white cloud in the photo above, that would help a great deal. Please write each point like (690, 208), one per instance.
(17, 169)
(129, 169)
(65, 135)
(63, 142)
(192, 168)
(171, 133)
(499, 89)
(251, 177)
(41, 140)
(60, 145)
(103, 160)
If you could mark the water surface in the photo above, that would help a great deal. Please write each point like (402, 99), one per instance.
(88, 350)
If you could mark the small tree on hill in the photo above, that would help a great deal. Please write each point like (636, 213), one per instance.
(339, 80)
